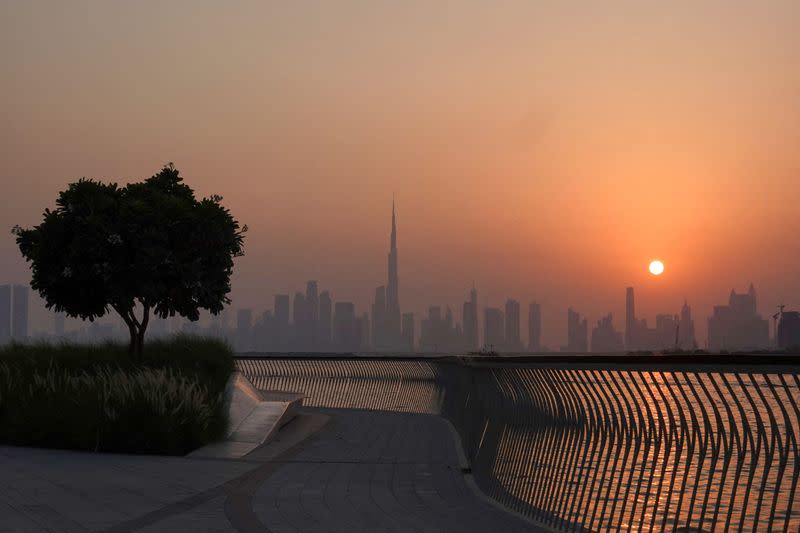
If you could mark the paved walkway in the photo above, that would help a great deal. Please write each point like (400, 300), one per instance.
(362, 471)
(377, 471)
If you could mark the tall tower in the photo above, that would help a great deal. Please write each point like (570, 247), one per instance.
(513, 344)
(312, 310)
(534, 327)
(392, 299)
(630, 320)
(470, 320)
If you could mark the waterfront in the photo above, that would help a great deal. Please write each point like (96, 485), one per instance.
(627, 447)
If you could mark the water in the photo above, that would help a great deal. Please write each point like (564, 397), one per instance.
(623, 449)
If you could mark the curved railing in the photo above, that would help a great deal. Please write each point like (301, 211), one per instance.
(634, 447)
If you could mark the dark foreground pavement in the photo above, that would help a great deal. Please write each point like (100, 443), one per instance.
(377, 471)
(357, 471)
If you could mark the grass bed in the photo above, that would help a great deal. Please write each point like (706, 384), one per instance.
(95, 398)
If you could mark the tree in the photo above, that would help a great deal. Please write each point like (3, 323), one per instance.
(150, 247)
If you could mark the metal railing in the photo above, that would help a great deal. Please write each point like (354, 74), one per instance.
(580, 445)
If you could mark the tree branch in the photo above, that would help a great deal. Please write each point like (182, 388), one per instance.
(124, 314)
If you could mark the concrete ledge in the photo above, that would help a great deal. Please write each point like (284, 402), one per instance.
(255, 419)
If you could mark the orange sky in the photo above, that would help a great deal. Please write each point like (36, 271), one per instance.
(545, 150)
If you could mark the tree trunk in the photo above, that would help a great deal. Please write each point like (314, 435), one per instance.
(136, 330)
(134, 348)
(140, 343)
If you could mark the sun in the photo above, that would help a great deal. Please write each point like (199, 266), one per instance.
(656, 267)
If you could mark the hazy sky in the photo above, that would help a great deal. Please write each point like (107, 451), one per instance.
(544, 150)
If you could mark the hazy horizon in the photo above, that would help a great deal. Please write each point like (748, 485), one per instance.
(544, 151)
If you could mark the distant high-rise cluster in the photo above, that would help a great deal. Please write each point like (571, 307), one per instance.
(605, 339)
(13, 313)
(670, 331)
(738, 326)
(316, 325)
(577, 333)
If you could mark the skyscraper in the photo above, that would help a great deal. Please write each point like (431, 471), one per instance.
(312, 314)
(281, 313)
(325, 319)
(577, 332)
(494, 331)
(392, 288)
(630, 321)
(379, 340)
(244, 330)
(408, 332)
(469, 317)
(738, 326)
(788, 335)
(686, 338)
(534, 327)
(300, 320)
(363, 331)
(5, 314)
(605, 339)
(512, 341)
(346, 334)
(19, 326)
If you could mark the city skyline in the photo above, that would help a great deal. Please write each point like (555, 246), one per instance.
(315, 321)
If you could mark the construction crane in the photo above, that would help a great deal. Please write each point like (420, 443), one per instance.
(775, 317)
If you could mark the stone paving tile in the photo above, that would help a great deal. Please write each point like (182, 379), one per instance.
(377, 471)
(61, 490)
(209, 517)
(364, 471)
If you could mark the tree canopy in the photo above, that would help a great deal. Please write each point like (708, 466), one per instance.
(149, 246)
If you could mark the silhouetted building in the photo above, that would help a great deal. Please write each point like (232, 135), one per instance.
(534, 327)
(670, 332)
(789, 330)
(346, 331)
(667, 334)
(282, 311)
(5, 314)
(469, 317)
(281, 331)
(605, 339)
(312, 315)
(577, 332)
(438, 333)
(630, 320)
(738, 326)
(263, 332)
(19, 324)
(392, 290)
(363, 331)
(512, 337)
(686, 337)
(380, 335)
(408, 332)
(494, 328)
(326, 320)
(300, 323)
(244, 330)
(431, 330)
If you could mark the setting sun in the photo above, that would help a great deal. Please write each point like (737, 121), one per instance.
(656, 267)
